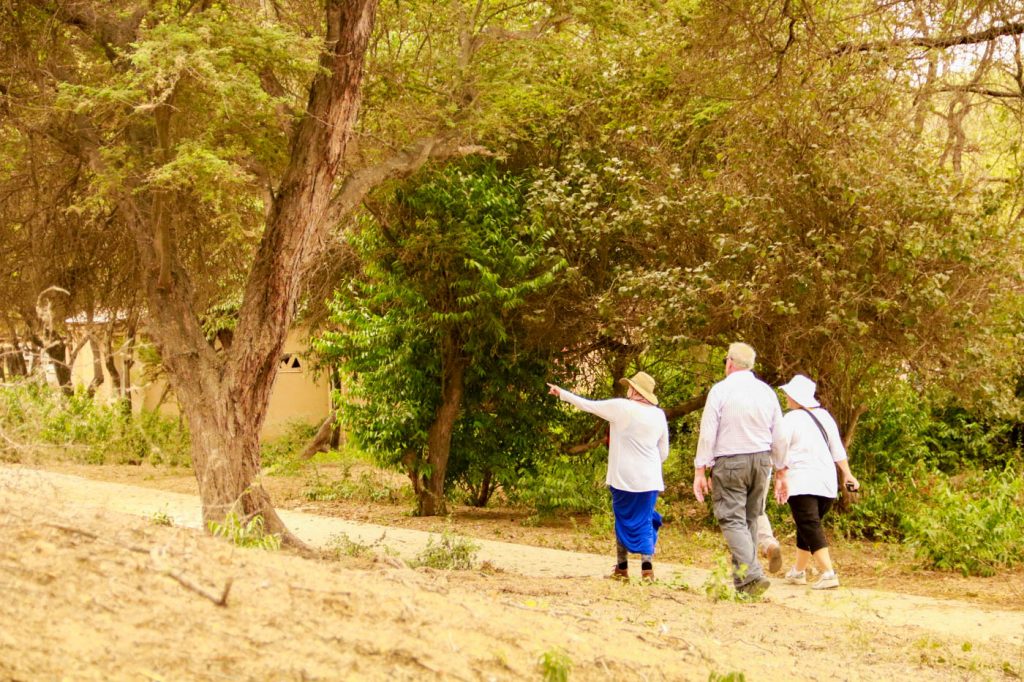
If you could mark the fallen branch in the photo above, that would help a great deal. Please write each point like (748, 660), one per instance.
(222, 600)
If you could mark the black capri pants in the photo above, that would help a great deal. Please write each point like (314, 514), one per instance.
(808, 511)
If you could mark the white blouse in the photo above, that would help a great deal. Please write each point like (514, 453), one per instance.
(812, 469)
(637, 442)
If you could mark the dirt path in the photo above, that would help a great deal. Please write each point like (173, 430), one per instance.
(960, 620)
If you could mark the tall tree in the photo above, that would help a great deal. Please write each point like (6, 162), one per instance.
(227, 144)
(437, 326)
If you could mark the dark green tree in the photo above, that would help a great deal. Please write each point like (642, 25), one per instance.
(434, 336)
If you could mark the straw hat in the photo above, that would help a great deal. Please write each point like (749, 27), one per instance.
(801, 390)
(642, 383)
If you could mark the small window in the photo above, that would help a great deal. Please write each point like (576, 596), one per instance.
(289, 363)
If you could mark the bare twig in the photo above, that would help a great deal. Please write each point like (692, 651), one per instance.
(222, 600)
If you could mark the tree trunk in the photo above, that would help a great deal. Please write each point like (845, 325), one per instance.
(323, 439)
(439, 436)
(484, 494)
(225, 458)
(225, 397)
(97, 367)
(57, 352)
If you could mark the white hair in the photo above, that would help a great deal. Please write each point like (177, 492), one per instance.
(742, 355)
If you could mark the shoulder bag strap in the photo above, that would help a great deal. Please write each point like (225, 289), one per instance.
(820, 427)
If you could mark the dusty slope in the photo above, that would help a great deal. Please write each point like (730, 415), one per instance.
(90, 593)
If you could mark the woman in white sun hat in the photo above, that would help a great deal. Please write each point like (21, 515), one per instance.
(637, 447)
(815, 450)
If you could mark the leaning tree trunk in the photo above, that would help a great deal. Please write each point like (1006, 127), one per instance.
(225, 458)
(439, 436)
(225, 398)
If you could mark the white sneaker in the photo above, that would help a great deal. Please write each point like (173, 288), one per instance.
(828, 580)
(795, 577)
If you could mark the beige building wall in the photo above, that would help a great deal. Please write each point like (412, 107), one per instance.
(298, 394)
(82, 372)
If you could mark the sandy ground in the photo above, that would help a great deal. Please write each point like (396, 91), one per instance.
(93, 589)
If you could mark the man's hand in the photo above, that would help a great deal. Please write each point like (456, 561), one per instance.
(781, 487)
(701, 484)
(554, 390)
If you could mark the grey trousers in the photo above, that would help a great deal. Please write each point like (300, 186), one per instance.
(738, 497)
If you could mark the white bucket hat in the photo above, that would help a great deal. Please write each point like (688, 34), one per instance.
(801, 390)
(643, 383)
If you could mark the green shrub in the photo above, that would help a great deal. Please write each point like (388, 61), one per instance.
(452, 552)
(555, 665)
(342, 545)
(245, 534)
(35, 416)
(371, 485)
(973, 524)
(280, 456)
(884, 506)
(566, 484)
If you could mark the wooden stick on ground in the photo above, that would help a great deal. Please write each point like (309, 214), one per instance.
(222, 600)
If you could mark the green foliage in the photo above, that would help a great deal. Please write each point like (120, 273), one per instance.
(973, 523)
(938, 477)
(566, 484)
(883, 507)
(222, 316)
(555, 665)
(726, 677)
(410, 319)
(342, 545)
(248, 534)
(161, 518)
(279, 456)
(718, 586)
(450, 553)
(43, 419)
(371, 485)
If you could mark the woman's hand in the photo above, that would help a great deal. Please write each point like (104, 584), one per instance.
(554, 390)
(851, 483)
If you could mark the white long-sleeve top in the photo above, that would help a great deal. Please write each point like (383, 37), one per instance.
(637, 442)
(812, 469)
(741, 416)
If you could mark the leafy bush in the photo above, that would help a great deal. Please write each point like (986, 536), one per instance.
(342, 545)
(555, 665)
(885, 505)
(35, 416)
(565, 484)
(371, 485)
(279, 456)
(452, 552)
(973, 524)
(891, 438)
(904, 428)
(245, 534)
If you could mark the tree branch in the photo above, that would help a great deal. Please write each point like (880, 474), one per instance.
(404, 163)
(979, 90)
(692, 405)
(938, 43)
(107, 29)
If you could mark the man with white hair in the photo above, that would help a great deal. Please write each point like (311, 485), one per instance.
(741, 436)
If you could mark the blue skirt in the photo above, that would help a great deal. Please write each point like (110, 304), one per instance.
(636, 522)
